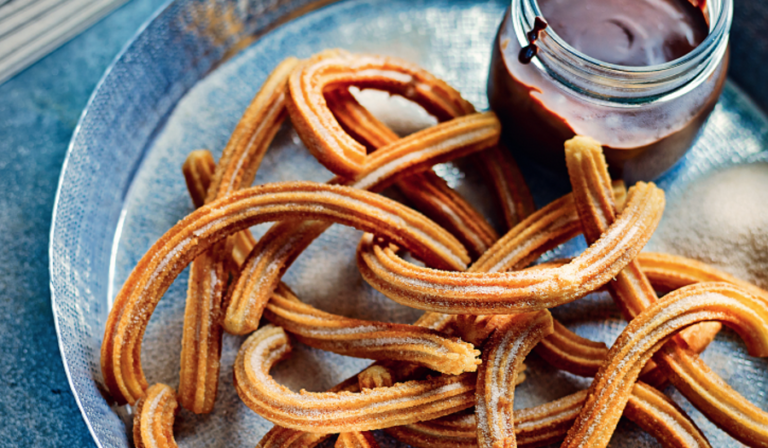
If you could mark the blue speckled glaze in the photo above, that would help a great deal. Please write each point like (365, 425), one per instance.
(122, 129)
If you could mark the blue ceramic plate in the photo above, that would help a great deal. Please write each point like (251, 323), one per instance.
(183, 83)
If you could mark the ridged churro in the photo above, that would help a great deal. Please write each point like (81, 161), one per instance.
(356, 439)
(329, 412)
(201, 341)
(285, 241)
(367, 339)
(710, 394)
(646, 334)
(121, 349)
(320, 130)
(503, 356)
(153, 418)
(520, 291)
(548, 423)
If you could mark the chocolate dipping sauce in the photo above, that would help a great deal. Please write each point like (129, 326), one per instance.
(540, 113)
(628, 32)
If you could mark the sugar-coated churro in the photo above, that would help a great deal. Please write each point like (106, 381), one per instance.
(320, 130)
(548, 423)
(647, 333)
(520, 291)
(356, 439)
(285, 241)
(367, 339)
(503, 355)
(201, 340)
(153, 418)
(121, 349)
(710, 394)
(328, 412)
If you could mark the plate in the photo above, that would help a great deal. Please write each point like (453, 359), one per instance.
(183, 83)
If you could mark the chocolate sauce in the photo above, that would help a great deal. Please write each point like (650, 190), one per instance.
(540, 112)
(528, 52)
(628, 32)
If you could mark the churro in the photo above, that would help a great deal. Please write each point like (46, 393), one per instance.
(201, 341)
(520, 291)
(153, 418)
(646, 334)
(285, 241)
(702, 387)
(121, 349)
(320, 130)
(503, 355)
(330, 412)
(548, 423)
(366, 339)
(356, 439)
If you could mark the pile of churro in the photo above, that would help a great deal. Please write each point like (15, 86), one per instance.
(448, 380)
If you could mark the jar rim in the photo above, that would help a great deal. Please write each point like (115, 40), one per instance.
(622, 83)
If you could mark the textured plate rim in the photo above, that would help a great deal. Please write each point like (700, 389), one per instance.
(70, 148)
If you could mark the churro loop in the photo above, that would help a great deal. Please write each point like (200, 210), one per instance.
(427, 191)
(702, 387)
(503, 356)
(320, 130)
(647, 333)
(329, 412)
(520, 291)
(121, 348)
(153, 418)
(286, 240)
(201, 340)
(367, 339)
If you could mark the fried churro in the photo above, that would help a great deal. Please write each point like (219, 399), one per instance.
(647, 333)
(153, 418)
(520, 291)
(121, 349)
(329, 412)
(367, 339)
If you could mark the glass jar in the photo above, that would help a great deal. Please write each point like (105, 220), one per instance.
(646, 117)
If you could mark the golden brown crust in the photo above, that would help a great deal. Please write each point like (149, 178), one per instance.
(329, 412)
(198, 171)
(368, 339)
(662, 418)
(320, 130)
(503, 356)
(646, 334)
(521, 291)
(121, 349)
(201, 341)
(153, 418)
(285, 241)
(701, 386)
(356, 439)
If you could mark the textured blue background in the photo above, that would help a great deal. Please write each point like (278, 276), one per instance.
(39, 109)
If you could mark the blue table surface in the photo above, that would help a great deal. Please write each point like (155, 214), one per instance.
(39, 109)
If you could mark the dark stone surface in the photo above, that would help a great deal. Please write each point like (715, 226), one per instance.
(39, 109)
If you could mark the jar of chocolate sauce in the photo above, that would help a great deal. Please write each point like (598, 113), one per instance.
(640, 76)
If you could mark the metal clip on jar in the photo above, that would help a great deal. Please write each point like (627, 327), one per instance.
(647, 116)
